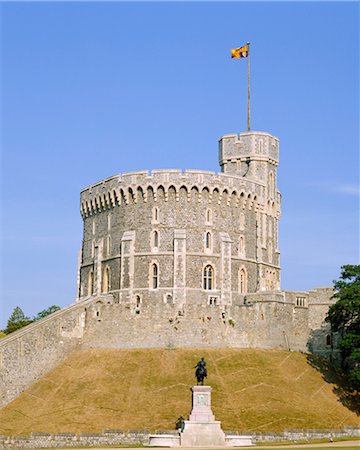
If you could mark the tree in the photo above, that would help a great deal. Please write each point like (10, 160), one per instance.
(16, 321)
(46, 312)
(344, 317)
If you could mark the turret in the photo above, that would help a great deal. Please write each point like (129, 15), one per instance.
(253, 155)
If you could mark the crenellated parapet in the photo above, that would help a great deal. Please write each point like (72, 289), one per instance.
(255, 144)
(133, 187)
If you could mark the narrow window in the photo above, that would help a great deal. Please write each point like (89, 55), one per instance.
(106, 282)
(108, 246)
(155, 276)
(270, 250)
(208, 240)
(271, 184)
(241, 245)
(242, 281)
(91, 283)
(328, 339)
(93, 227)
(138, 301)
(208, 279)
(109, 222)
(156, 214)
(156, 239)
(208, 217)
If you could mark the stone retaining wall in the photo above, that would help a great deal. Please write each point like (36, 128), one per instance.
(116, 437)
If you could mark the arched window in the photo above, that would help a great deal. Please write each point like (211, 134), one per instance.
(208, 240)
(138, 301)
(155, 240)
(208, 279)
(328, 339)
(155, 276)
(242, 281)
(91, 283)
(106, 280)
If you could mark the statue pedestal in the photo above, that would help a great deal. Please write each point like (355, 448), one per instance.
(202, 429)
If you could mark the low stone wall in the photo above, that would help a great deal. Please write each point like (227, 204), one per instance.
(299, 435)
(138, 437)
(61, 440)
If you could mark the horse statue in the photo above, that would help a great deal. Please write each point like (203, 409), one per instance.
(201, 371)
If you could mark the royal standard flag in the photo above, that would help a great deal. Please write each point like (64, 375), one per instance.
(241, 52)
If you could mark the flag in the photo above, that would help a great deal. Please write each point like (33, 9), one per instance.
(241, 52)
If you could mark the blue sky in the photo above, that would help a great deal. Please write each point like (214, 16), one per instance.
(94, 89)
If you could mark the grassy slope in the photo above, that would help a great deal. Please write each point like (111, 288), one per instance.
(262, 390)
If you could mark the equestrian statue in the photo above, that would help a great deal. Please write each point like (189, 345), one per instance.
(201, 372)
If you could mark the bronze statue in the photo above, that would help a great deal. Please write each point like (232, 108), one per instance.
(201, 371)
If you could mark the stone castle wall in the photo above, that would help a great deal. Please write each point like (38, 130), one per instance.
(28, 354)
(257, 320)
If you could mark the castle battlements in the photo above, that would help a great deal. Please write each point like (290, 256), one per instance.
(133, 186)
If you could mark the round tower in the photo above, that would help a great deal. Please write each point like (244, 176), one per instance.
(174, 237)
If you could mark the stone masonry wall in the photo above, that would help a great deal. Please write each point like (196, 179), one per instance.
(258, 320)
(115, 437)
(26, 355)
(226, 215)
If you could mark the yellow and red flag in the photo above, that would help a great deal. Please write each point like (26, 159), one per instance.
(241, 52)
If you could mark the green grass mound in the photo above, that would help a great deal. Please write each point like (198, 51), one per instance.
(260, 390)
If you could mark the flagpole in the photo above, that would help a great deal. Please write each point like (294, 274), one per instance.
(248, 106)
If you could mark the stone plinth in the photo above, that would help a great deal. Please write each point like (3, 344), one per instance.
(201, 405)
(202, 429)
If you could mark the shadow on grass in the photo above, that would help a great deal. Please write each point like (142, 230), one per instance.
(331, 374)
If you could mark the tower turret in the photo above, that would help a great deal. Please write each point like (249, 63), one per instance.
(253, 155)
